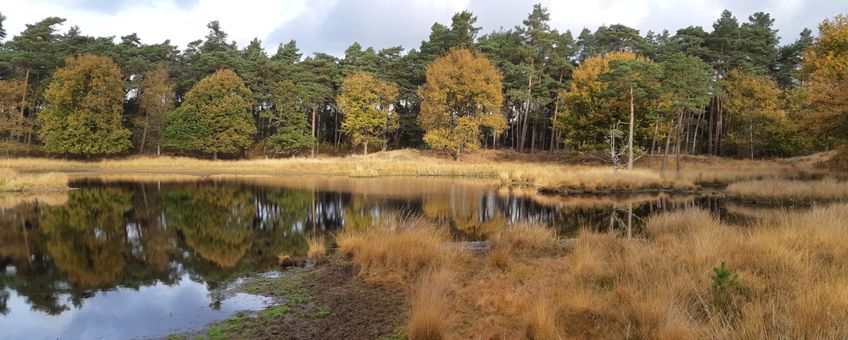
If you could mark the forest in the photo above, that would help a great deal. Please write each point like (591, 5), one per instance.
(730, 90)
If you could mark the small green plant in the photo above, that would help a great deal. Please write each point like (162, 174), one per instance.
(216, 332)
(724, 280)
(275, 312)
(725, 287)
(321, 312)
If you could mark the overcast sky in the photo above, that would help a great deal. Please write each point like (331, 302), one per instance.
(332, 25)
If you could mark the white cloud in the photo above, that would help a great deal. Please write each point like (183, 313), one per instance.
(331, 25)
(158, 20)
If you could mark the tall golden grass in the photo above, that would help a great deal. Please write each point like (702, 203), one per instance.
(508, 168)
(690, 276)
(430, 306)
(780, 190)
(792, 280)
(398, 250)
(394, 163)
(11, 180)
(317, 248)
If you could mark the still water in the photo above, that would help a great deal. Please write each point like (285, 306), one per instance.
(146, 259)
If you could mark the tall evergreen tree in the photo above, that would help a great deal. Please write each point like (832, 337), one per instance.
(288, 118)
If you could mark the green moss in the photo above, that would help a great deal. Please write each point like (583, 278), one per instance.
(275, 311)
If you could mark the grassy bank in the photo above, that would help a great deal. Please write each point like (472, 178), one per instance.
(554, 173)
(688, 276)
(778, 190)
(12, 181)
(505, 167)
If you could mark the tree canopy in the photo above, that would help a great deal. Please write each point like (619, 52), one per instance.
(83, 105)
(461, 89)
(558, 89)
(215, 117)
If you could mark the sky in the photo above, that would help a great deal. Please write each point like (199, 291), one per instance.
(332, 25)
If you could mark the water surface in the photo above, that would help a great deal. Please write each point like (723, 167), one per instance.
(146, 259)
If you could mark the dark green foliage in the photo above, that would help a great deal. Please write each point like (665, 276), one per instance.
(215, 117)
(535, 61)
(724, 280)
(288, 117)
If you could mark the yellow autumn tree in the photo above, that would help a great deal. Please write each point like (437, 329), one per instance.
(755, 112)
(463, 92)
(83, 108)
(825, 67)
(589, 109)
(12, 123)
(368, 112)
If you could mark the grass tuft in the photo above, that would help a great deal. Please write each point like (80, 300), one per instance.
(11, 180)
(317, 249)
(397, 250)
(429, 307)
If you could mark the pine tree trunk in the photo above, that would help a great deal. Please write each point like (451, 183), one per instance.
(365, 149)
(654, 139)
(630, 133)
(697, 127)
(314, 139)
(719, 127)
(523, 137)
(26, 87)
(751, 135)
(677, 141)
(533, 137)
(665, 152)
(554, 132)
(710, 145)
(144, 134)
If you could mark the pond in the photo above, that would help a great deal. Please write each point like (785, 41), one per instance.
(123, 259)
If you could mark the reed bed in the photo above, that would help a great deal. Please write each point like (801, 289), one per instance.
(827, 189)
(11, 180)
(689, 276)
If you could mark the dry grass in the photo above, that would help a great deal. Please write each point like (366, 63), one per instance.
(397, 251)
(788, 278)
(317, 248)
(663, 286)
(706, 170)
(11, 180)
(429, 306)
(783, 190)
(394, 163)
(543, 170)
(600, 179)
(525, 239)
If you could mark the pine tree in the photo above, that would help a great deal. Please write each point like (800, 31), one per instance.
(288, 118)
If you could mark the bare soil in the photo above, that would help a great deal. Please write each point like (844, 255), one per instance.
(327, 302)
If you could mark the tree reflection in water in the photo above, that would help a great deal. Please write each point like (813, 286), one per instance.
(135, 234)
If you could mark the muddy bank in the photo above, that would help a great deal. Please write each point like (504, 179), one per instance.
(325, 302)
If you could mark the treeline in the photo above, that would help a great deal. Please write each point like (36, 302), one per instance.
(732, 91)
